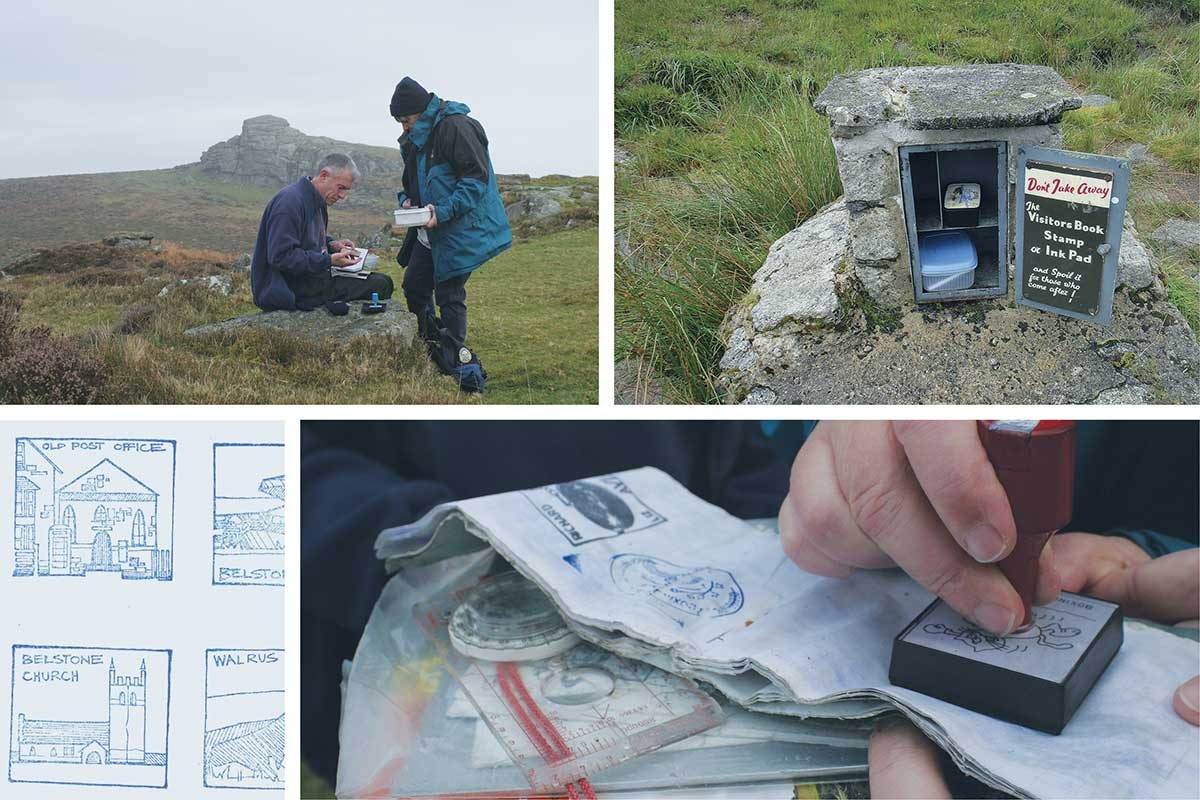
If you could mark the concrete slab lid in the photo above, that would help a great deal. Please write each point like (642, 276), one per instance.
(948, 97)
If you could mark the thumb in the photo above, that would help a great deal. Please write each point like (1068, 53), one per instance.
(1187, 701)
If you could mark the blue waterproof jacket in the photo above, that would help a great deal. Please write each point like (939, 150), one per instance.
(446, 163)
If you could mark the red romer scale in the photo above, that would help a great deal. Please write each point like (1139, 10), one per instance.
(1036, 467)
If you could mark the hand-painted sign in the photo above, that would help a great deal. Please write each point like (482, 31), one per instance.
(1071, 208)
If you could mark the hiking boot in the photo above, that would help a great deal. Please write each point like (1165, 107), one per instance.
(429, 327)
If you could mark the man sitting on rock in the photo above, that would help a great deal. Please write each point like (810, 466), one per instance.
(447, 170)
(293, 254)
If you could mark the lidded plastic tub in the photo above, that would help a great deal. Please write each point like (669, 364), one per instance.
(948, 261)
(411, 217)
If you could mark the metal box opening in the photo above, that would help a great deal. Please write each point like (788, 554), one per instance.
(927, 172)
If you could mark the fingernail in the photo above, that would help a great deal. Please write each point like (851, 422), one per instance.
(985, 544)
(1189, 695)
(995, 618)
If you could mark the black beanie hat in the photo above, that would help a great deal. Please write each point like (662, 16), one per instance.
(410, 97)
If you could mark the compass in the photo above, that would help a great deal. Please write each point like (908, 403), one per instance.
(508, 618)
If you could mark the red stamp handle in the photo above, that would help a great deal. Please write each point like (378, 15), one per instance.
(1036, 467)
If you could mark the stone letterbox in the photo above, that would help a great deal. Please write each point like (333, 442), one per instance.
(928, 161)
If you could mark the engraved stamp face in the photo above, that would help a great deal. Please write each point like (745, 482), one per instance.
(1049, 648)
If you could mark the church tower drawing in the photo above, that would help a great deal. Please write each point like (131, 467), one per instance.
(126, 716)
(117, 737)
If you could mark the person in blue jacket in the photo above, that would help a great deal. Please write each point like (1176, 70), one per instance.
(447, 169)
(293, 253)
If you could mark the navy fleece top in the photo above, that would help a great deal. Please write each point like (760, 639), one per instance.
(292, 249)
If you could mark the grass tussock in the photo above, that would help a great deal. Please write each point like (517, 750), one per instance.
(713, 101)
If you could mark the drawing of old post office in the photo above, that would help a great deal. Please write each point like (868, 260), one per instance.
(121, 739)
(103, 520)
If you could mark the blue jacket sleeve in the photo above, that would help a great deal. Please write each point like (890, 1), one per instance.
(285, 251)
(470, 161)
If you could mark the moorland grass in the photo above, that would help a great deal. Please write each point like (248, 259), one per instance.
(180, 205)
(534, 321)
(713, 103)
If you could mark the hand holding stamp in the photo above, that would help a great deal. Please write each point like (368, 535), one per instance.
(1035, 463)
(918, 494)
(1038, 674)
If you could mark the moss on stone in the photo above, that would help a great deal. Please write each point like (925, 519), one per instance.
(855, 303)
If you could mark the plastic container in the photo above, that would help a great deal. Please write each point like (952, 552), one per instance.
(948, 261)
(411, 217)
(960, 205)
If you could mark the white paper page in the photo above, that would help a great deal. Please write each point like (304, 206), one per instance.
(142, 581)
(636, 553)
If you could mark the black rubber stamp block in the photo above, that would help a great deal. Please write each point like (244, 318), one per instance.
(1037, 677)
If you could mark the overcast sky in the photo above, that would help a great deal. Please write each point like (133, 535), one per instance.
(145, 84)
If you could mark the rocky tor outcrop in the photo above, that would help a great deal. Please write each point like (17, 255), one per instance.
(534, 208)
(270, 152)
(129, 240)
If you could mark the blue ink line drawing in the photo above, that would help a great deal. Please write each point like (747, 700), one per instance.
(106, 727)
(704, 592)
(248, 514)
(87, 507)
(597, 508)
(244, 730)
